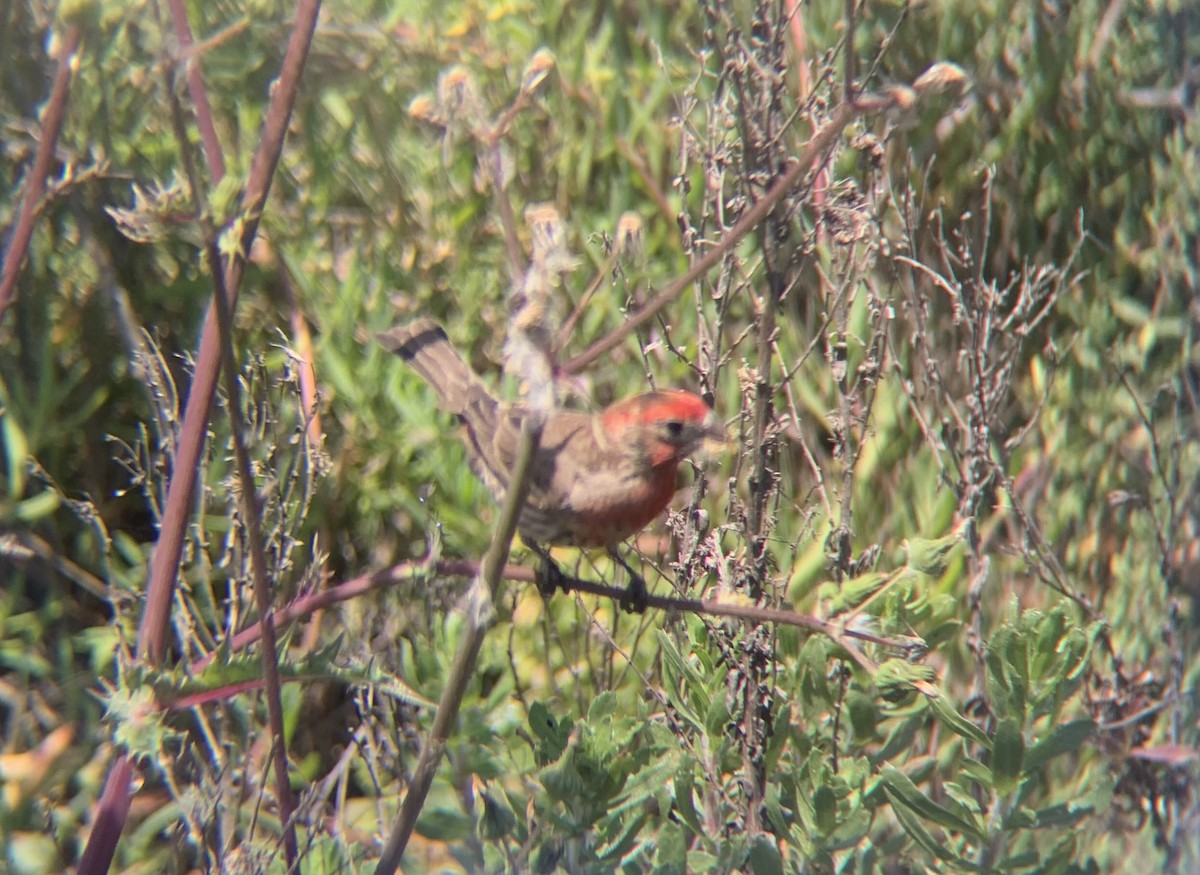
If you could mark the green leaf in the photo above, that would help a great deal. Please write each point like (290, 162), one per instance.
(37, 508)
(1063, 739)
(849, 594)
(670, 857)
(652, 781)
(16, 452)
(685, 803)
(444, 824)
(958, 723)
(497, 819)
(1061, 857)
(675, 659)
(618, 836)
(140, 722)
(562, 780)
(1130, 310)
(863, 712)
(680, 676)
(785, 823)
(1008, 755)
(825, 810)
(552, 733)
(931, 556)
(29, 853)
(1016, 664)
(904, 732)
(1063, 815)
(917, 832)
(717, 716)
(895, 678)
(765, 858)
(602, 707)
(902, 790)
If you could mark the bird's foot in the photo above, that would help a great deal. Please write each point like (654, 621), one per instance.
(636, 597)
(549, 577)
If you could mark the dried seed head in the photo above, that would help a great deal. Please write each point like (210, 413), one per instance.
(536, 70)
(941, 78)
(631, 236)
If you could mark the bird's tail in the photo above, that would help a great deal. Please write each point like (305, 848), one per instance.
(489, 431)
(425, 346)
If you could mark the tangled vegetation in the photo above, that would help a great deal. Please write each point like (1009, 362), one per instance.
(936, 267)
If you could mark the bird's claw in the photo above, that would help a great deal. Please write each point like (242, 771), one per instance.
(549, 577)
(636, 597)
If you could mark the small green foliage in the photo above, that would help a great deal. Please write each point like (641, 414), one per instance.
(496, 819)
(1008, 756)
(139, 723)
(897, 678)
(931, 557)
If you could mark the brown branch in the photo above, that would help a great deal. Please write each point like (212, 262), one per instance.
(351, 589)
(111, 813)
(198, 93)
(307, 374)
(35, 183)
(418, 572)
(38, 547)
(164, 564)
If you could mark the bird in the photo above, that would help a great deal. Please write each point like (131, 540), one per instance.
(596, 478)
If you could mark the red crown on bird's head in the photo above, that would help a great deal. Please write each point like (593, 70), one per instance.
(671, 424)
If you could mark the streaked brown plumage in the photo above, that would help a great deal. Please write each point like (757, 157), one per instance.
(597, 478)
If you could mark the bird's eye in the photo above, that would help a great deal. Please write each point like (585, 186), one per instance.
(674, 428)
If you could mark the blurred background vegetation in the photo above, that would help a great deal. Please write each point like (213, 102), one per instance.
(983, 434)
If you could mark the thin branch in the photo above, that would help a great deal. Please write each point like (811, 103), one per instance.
(306, 373)
(417, 573)
(821, 141)
(252, 513)
(198, 93)
(568, 328)
(38, 547)
(35, 183)
(111, 813)
(849, 86)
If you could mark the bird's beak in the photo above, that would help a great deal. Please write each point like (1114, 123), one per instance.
(714, 440)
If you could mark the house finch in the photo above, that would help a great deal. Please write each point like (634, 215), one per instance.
(596, 478)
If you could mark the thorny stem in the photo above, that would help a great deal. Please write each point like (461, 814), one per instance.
(197, 92)
(251, 506)
(164, 562)
(252, 511)
(164, 565)
(757, 124)
(35, 182)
